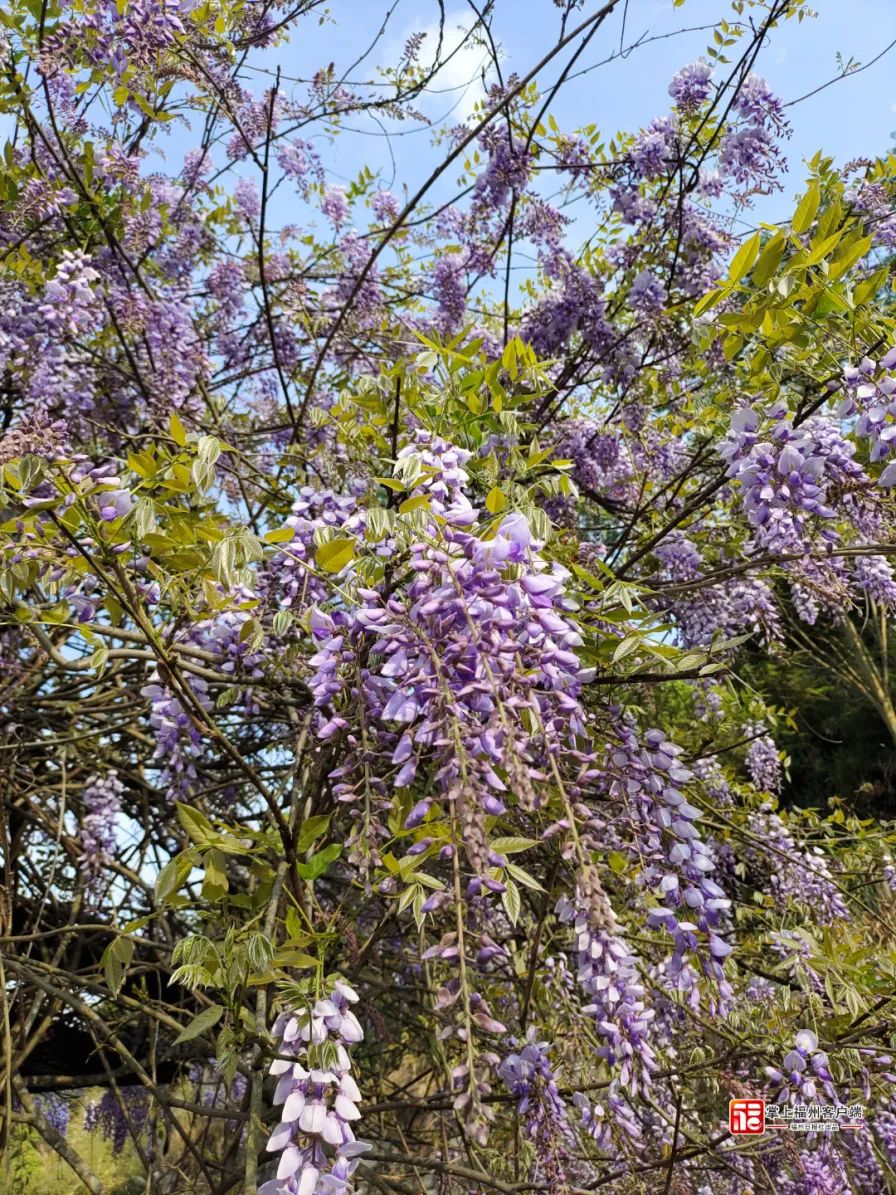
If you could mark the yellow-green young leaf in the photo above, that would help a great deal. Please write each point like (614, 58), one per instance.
(318, 864)
(806, 209)
(121, 94)
(495, 500)
(849, 256)
(178, 431)
(731, 347)
(215, 884)
(821, 250)
(870, 286)
(312, 829)
(625, 647)
(510, 899)
(409, 504)
(294, 958)
(281, 536)
(171, 877)
(196, 824)
(709, 300)
(142, 463)
(334, 556)
(512, 845)
(206, 1020)
(769, 259)
(523, 877)
(618, 862)
(744, 259)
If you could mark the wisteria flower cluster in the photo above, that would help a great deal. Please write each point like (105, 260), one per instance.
(319, 1097)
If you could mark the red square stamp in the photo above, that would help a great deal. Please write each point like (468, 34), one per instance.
(746, 1117)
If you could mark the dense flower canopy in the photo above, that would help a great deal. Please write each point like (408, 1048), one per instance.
(386, 798)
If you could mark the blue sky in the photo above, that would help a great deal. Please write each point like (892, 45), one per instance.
(852, 118)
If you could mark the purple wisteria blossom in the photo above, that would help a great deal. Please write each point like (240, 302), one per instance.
(102, 804)
(319, 1097)
(870, 390)
(796, 874)
(528, 1075)
(763, 761)
(608, 974)
(483, 629)
(691, 85)
(118, 1116)
(804, 1073)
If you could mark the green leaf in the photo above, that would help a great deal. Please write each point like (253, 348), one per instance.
(806, 209)
(744, 258)
(312, 829)
(318, 864)
(294, 958)
(332, 557)
(215, 885)
(420, 502)
(821, 250)
(115, 961)
(865, 290)
(625, 647)
(709, 300)
(196, 824)
(769, 259)
(523, 877)
(281, 536)
(206, 1020)
(495, 500)
(137, 923)
(177, 429)
(513, 845)
(172, 876)
(849, 256)
(260, 951)
(617, 862)
(144, 518)
(209, 449)
(512, 902)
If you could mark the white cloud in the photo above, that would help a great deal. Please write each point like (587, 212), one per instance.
(455, 89)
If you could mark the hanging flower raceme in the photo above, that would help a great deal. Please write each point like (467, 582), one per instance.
(691, 85)
(870, 390)
(528, 1075)
(654, 822)
(762, 760)
(797, 874)
(102, 802)
(177, 726)
(319, 1097)
(118, 1116)
(469, 681)
(785, 480)
(608, 974)
(705, 612)
(289, 578)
